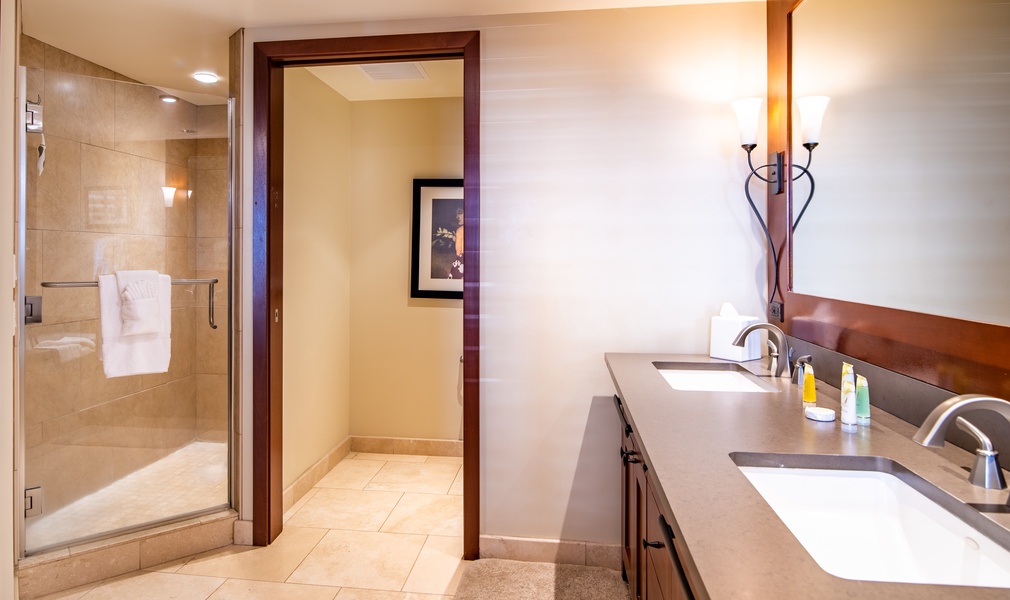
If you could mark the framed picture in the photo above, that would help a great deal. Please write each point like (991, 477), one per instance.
(436, 262)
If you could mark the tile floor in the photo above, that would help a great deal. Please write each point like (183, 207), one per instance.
(191, 479)
(376, 527)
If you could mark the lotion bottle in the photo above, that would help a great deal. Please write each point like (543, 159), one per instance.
(848, 399)
(862, 401)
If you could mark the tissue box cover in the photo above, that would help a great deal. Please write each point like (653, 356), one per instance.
(725, 330)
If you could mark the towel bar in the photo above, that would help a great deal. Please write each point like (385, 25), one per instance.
(209, 282)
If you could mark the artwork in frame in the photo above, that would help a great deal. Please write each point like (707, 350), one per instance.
(436, 263)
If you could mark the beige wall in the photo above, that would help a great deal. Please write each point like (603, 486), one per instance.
(317, 272)
(97, 208)
(612, 219)
(404, 352)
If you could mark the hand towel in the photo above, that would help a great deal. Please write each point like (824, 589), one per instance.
(139, 351)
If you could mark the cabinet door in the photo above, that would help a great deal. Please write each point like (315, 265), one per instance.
(665, 578)
(632, 506)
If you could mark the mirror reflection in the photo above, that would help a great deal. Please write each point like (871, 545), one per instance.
(911, 209)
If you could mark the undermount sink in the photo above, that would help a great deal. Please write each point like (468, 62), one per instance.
(712, 377)
(870, 518)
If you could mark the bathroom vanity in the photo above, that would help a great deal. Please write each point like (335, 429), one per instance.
(693, 524)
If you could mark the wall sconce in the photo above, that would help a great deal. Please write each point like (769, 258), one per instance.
(748, 113)
(169, 196)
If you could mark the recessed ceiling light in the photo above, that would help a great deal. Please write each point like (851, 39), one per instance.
(206, 77)
(167, 98)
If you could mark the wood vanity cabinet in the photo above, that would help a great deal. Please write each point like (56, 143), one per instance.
(649, 557)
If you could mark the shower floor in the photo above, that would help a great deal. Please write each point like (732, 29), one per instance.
(191, 479)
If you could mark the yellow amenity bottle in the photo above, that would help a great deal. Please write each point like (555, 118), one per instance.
(809, 391)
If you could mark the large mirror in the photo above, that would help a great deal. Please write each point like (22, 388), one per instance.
(912, 203)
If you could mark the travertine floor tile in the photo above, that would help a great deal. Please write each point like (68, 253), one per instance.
(360, 559)
(427, 514)
(351, 474)
(237, 589)
(298, 505)
(146, 585)
(438, 568)
(424, 478)
(270, 563)
(448, 460)
(346, 509)
(354, 594)
(73, 594)
(456, 489)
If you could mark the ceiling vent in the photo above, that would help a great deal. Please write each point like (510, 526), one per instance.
(410, 71)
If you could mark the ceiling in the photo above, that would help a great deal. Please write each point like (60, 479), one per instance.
(163, 42)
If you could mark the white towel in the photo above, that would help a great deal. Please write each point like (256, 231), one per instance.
(138, 339)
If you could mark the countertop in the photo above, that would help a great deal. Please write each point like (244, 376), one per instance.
(731, 540)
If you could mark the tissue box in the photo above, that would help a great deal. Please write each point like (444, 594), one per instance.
(725, 328)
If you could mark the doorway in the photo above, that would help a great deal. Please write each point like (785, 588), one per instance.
(270, 60)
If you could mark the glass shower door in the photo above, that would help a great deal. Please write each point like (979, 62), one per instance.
(119, 181)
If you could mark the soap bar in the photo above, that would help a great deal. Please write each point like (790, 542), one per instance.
(817, 413)
(725, 327)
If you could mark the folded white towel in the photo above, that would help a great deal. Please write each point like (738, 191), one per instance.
(136, 315)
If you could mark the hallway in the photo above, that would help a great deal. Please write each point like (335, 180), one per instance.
(376, 527)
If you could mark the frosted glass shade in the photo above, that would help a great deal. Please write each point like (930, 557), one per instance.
(748, 112)
(169, 196)
(811, 116)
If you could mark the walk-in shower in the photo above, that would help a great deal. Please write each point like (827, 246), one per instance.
(123, 182)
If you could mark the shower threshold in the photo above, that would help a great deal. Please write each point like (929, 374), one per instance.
(191, 481)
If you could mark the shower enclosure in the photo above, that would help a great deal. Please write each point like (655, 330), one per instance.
(115, 178)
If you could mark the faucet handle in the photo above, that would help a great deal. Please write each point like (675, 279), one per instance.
(986, 471)
(806, 359)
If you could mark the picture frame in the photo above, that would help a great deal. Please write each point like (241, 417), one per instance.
(436, 262)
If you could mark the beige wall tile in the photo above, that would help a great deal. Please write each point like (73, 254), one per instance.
(211, 350)
(212, 407)
(211, 201)
(52, 375)
(179, 265)
(73, 256)
(145, 125)
(110, 181)
(33, 52)
(212, 255)
(77, 455)
(212, 123)
(59, 61)
(57, 194)
(96, 388)
(33, 262)
(80, 108)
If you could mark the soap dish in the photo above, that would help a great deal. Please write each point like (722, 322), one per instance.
(817, 413)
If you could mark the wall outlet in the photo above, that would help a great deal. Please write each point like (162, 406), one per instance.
(776, 312)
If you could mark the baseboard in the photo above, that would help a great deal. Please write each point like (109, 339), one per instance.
(567, 552)
(391, 445)
(307, 480)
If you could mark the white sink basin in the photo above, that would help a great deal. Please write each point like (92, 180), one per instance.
(688, 377)
(872, 525)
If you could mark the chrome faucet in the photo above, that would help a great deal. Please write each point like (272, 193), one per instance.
(806, 359)
(986, 472)
(778, 346)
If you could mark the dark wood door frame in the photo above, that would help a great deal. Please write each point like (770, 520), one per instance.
(269, 61)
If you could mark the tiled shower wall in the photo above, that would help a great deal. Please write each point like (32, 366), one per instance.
(97, 208)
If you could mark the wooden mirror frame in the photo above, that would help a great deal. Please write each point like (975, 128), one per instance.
(954, 354)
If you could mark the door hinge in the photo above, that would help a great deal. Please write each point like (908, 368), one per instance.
(33, 502)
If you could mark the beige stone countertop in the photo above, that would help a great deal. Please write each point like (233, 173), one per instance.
(729, 537)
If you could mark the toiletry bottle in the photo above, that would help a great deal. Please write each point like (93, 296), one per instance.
(809, 391)
(862, 401)
(848, 398)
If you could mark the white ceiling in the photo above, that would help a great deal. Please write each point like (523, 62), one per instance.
(163, 42)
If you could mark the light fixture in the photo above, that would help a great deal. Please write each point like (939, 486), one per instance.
(748, 112)
(189, 193)
(206, 77)
(168, 99)
(169, 195)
